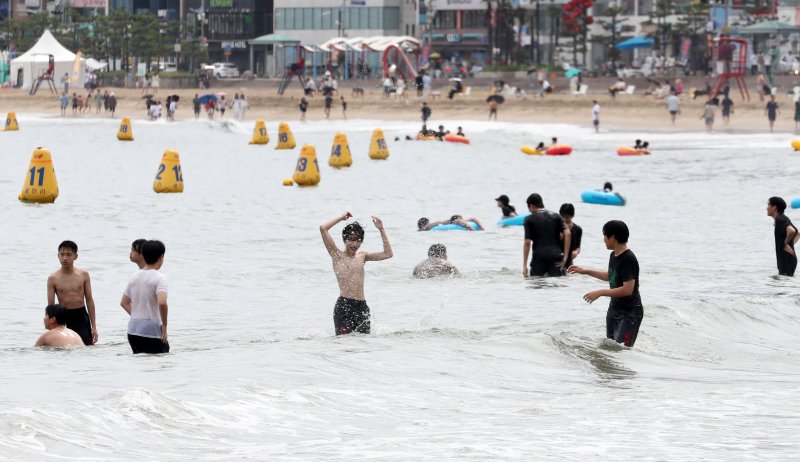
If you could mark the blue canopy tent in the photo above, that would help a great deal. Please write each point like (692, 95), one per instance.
(635, 42)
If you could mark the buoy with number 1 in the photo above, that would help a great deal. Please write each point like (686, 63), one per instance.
(285, 137)
(377, 147)
(125, 132)
(306, 172)
(260, 135)
(40, 183)
(11, 123)
(340, 152)
(169, 178)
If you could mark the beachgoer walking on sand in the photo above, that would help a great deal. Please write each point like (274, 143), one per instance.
(351, 313)
(493, 109)
(673, 106)
(426, 112)
(596, 116)
(709, 111)
(797, 116)
(73, 287)
(761, 86)
(727, 109)
(303, 109)
(772, 111)
(625, 311)
(786, 236)
(344, 108)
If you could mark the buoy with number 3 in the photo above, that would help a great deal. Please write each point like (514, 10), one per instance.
(377, 147)
(306, 172)
(125, 132)
(340, 152)
(285, 137)
(11, 123)
(169, 178)
(260, 135)
(40, 183)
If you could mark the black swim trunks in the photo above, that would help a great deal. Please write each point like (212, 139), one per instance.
(147, 345)
(351, 316)
(78, 320)
(623, 329)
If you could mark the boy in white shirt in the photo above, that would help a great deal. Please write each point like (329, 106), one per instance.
(145, 300)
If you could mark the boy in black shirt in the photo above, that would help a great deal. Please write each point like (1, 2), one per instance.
(625, 310)
(567, 212)
(549, 238)
(503, 202)
(785, 236)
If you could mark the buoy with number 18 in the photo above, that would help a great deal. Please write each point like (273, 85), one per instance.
(306, 172)
(125, 132)
(169, 178)
(377, 147)
(40, 183)
(285, 137)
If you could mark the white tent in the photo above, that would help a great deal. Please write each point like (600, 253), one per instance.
(34, 62)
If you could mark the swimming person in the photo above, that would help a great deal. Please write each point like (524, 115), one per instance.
(508, 210)
(638, 145)
(549, 237)
(460, 132)
(436, 264)
(609, 188)
(145, 300)
(58, 335)
(625, 311)
(136, 252)
(540, 146)
(73, 287)
(351, 313)
(567, 212)
(785, 237)
(423, 224)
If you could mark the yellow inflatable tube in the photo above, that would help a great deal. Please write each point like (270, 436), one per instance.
(531, 151)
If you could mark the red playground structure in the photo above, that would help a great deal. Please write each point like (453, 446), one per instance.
(731, 57)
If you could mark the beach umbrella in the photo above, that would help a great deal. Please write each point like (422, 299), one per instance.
(767, 27)
(455, 79)
(435, 55)
(635, 42)
(205, 98)
(499, 98)
(572, 72)
(221, 94)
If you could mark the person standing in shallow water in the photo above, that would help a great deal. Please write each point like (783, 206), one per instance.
(785, 236)
(351, 313)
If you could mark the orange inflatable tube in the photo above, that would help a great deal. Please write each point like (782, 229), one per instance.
(628, 151)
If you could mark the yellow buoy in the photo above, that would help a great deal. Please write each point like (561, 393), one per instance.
(260, 135)
(306, 172)
(11, 122)
(340, 152)
(40, 183)
(125, 132)
(169, 178)
(377, 147)
(285, 137)
(531, 151)
(288, 182)
(796, 145)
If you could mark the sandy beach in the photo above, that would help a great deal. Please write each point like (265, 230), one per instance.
(623, 112)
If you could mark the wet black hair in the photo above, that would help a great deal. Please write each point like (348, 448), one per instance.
(616, 229)
(437, 251)
(646, 144)
(778, 202)
(567, 209)
(353, 232)
(68, 245)
(455, 217)
(137, 245)
(608, 186)
(152, 251)
(535, 200)
(57, 311)
(422, 222)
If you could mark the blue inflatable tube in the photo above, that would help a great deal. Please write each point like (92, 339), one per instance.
(796, 203)
(593, 196)
(452, 227)
(518, 220)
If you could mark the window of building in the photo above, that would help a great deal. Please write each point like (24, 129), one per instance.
(473, 19)
(391, 18)
(445, 20)
(375, 19)
(327, 18)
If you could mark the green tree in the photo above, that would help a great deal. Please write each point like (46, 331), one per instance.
(614, 26)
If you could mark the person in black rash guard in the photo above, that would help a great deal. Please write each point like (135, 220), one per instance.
(351, 313)
(567, 212)
(508, 210)
(625, 311)
(549, 236)
(785, 237)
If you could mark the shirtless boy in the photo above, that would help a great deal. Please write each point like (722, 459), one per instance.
(351, 313)
(58, 335)
(74, 290)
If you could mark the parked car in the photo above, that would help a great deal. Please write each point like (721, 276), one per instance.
(225, 70)
(789, 65)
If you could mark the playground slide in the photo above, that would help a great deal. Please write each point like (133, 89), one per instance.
(395, 55)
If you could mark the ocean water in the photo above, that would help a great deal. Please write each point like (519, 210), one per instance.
(487, 367)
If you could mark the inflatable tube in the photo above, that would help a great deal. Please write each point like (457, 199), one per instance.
(559, 150)
(592, 196)
(628, 151)
(456, 139)
(453, 227)
(796, 203)
(796, 144)
(425, 138)
(531, 151)
(518, 220)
